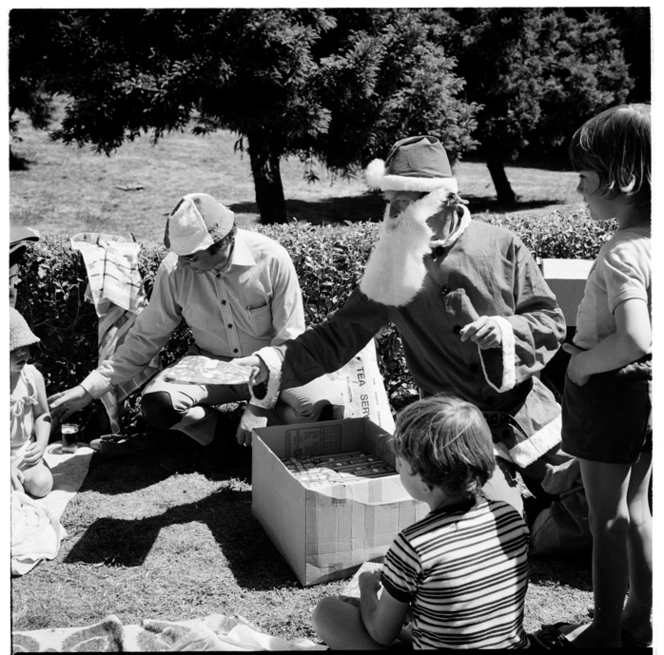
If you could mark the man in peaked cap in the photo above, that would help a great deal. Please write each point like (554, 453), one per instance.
(473, 310)
(238, 292)
(20, 238)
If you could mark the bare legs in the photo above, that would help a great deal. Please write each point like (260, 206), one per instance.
(37, 479)
(339, 624)
(621, 524)
(636, 619)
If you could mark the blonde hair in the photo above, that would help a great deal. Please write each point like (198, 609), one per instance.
(446, 441)
(616, 144)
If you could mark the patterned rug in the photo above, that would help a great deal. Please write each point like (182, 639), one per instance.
(216, 632)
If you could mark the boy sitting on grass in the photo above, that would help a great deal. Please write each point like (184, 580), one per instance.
(460, 574)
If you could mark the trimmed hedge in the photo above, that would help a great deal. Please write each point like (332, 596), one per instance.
(329, 261)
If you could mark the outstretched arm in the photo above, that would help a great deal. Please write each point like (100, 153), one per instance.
(146, 337)
(328, 346)
(322, 349)
(65, 403)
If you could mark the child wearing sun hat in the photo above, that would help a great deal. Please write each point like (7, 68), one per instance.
(30, 419)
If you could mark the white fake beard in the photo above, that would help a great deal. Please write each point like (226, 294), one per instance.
(395, 271)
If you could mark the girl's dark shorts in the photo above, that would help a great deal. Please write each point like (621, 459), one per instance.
(610, 418)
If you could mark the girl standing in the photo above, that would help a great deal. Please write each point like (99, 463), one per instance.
(607, 399)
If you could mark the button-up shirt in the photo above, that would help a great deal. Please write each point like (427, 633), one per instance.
(254, 302)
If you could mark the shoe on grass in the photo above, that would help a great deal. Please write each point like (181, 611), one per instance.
(119, 445)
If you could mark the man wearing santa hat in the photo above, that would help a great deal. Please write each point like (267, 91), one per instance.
(475, 315)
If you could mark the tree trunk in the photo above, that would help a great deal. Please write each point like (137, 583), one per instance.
(506, 197)
(267, 180)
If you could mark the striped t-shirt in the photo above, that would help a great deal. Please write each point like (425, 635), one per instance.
(464, 571)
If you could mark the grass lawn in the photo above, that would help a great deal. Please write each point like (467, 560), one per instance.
(150, 537)
(64, 189)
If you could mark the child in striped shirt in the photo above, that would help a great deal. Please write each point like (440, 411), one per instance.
(460, 574)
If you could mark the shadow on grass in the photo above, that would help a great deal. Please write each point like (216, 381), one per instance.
(175, 454)
(483, 205)
(370, 207)
(574, 571)
(120, 475)
(18, 162)
(249, 554)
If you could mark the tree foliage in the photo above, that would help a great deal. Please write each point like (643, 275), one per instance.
(538, 74)
(338, 85)
(29, 91)
(335, 86)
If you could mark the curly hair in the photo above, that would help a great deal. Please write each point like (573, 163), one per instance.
(616, 144)
(446, 441)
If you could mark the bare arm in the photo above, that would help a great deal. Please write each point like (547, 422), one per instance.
(383, 617)
(35, 451)
(630, 342)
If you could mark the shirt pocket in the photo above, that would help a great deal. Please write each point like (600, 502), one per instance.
(260, 320)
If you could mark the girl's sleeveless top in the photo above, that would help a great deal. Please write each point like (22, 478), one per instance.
(21, 403)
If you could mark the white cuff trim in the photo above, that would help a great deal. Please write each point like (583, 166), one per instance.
(509, 356)
(274, 365)
(526, 452)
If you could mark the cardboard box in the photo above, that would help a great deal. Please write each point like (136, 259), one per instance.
(567, 279)
(326, 532)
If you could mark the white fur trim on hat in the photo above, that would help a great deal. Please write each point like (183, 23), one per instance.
(508, 356)
(274, 364)
(425, 184)
(417, 163)
(376, 179)
(375, 172)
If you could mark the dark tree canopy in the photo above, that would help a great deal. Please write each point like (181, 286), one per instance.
(546, 73)
(308, 82)
(334, 85)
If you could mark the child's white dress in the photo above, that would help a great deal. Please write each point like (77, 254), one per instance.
(21, 410)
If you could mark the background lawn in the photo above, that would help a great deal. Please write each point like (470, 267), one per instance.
(150, 537)
(64, 189)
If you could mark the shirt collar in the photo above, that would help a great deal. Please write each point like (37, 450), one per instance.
(464, 222)
(241, 255)
(463, 505)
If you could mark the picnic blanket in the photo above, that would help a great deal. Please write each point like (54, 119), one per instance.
(36, 531)
(216, 632)
(115, 288)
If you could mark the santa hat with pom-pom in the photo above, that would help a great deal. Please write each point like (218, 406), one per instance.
(417, 163)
